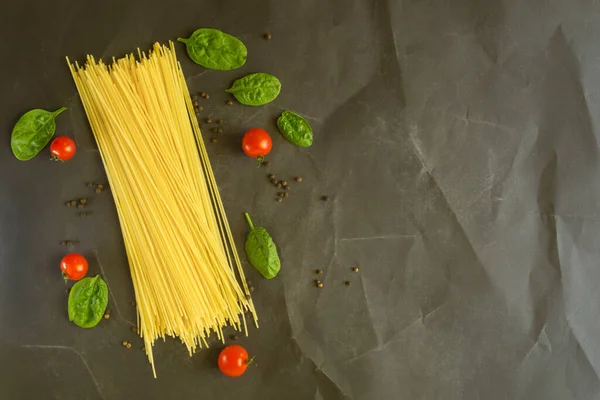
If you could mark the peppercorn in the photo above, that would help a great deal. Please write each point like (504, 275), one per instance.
(324, 198)
(298, 179)
(319, 271)
(106, 316)
(229, 102)
(287, 187)
(271, 176)
(347, 283)
(214, 140)
(128, 345)
(268, 36)
(286, 194)
(267, 163)
(234, 337)
(73, 203)
(355, 269)
(219, 130)
(208, 121)
(83, 200)
(219, 121)
(203, 95)
(278, 184)
(284, 183)
(279, 199)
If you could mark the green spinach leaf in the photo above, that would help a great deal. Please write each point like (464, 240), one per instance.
(32, 132)
(214, 49)
(256, 89)
(261, 251)
(295, 129)
(87, 302)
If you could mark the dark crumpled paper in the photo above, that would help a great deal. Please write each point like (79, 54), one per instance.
(456, 142)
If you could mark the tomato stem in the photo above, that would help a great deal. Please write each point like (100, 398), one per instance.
(250, 361)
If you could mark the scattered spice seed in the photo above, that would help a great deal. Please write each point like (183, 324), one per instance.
(229, 102)
(319, 283)
(319, 271)
(66, 243)
(324, 198)
(298, 179)
(98, 190)
(280, 194)
(90, 184)
(133, 303)
(128, 345)
(287, 187)
(347, 283)
(100, 186)
(279, 199)
(134, 329)
(208, 121)
(83, 200)
(214, 140)
(268, 36)
(68, 204)
(355, 269)
(251, 289)
(79, 205)
(271, 176)
(219, 130)
(200, 108)
(203, 95)
(124, 342)
(286, 194)
(234, 337)
(278, 184)
(219, 121)
(196, 104)
(248, 297)
(106, 316)
(83, 214)
(73, 203)
(267, 163)
(67, 290)
(284, 183)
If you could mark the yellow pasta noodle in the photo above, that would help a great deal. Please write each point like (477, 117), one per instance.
(182, 257)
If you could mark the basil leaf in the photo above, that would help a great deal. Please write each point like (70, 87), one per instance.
(88, 300)
(295, 129)
(32, 132)
(255, 89)
(261, 251)
(214, 49)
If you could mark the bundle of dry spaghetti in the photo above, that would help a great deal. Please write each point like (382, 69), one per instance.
(182, 257)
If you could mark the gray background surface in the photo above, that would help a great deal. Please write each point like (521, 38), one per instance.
(457, 141)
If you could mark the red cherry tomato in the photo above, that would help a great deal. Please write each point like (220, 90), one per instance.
(74, 266)
(63, 148)
(233, 360)
(256, 143)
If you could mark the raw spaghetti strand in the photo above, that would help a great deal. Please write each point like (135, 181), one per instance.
(181, 253)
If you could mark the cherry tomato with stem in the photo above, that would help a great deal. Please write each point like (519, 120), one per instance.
(63, 148)
(74, 266)
(234, 360)
(257, 143)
